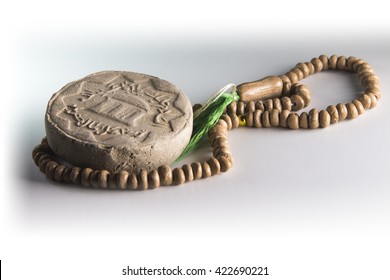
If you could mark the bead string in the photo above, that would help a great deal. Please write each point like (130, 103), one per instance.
(277, 112)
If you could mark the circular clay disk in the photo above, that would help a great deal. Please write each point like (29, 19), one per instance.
(119, 121)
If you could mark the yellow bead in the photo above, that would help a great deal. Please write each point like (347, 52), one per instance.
(241, 120)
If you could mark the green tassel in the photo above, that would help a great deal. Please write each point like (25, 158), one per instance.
(208, 115)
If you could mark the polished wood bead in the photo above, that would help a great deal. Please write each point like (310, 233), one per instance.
(206, 170)
(132, 181)
(297, 102)
(75, 175)
(265, 119)
(121, 179)
(293, 121)
(286, 103)
(304, 120)
(228, 121)
(93, 179)
(352, 111)
(311, 68)
(103, 179)
(317, 64)
(373, 100)
(58, 172)
(235, 121)
(274, 117)
(249, 119)
(225, 163)
(250, 106)
(359, 106)
(215, 166)
(333, 62)
(143, 183)
(293, 77)
(240, 108)
(165, 173)
(259, 105)
(178, 176)
(333, 113)
(325, 62)
(277, 104)
(232, 108)
(283, 118)
(256, 118)
(43, 163)
(268, 104)
(314, 118)
(196, 170)
(49, 169)
(112, 184)
(85, 176)
(342, 110)
(286, 89)
(341, 63)
(189, 175)
(66, 175)
(350, 62)
(268, 87)
(299, 73)
(366, 101)
(153, 179)
(324, 119)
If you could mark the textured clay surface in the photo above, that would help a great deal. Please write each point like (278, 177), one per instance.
(119, 121)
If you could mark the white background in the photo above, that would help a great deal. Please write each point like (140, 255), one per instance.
(306, 204)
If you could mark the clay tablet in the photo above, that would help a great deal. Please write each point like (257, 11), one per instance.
(119, 121)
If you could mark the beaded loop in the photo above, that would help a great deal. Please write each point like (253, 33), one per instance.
(275, 112)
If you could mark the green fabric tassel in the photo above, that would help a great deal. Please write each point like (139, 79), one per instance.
(208, 115)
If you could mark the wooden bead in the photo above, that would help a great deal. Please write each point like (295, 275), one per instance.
(250, 106)
(268, 87)
(75, 175)
(277, 104)
(143, 183)
(366, 101)
(373, 100)
(259, 105)
(325, 62)
(333, 113)
(286, 103)
(314, 118)
(317, 64)
(66, 175)
(38, 155)
(121, 179)
(285, 79)
(352, 111)
(206, 170)
(293, 77)
(304, 120)
(341, 63)
(189, 175)
(265, 119)
(333, 62)
(274, 117)
(293, 121)
(178, 176)
(268, 105)
(235, 121)
(50, 167)
(232, 108)
(359, 106)
(154, 179)
(225, 163)
(58, 172)
(303, 67)
(222, 123)
(85, 176)
(356, 64)
(311, 68)
(165, 173)
(297, 102)
(299, 73)
(228, 121)
(304, 92)
(342, 110)
(283, 118)
(324, 119)
(196, 170)
(215, 167)
(43, 163)
(93, 178)
(350, 62)
(240, 108)
(132, 181)
(286, 89)
(256, 118)
(111, 179)
(249, 119)
(103, 179)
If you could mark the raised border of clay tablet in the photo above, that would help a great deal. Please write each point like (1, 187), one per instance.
(118, 120)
